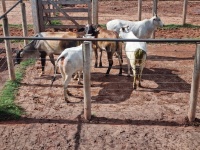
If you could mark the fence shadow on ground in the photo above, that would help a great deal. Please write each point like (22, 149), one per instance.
(167, 58)
(116, 89)
(100, 120)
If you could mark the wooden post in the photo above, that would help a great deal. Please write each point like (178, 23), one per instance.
(184, 10)
(194, 86)
(24, 22)
(95, 11)
(86, 79)
(139, 9)
(154, 11)
(3, 5)
(7, 45)
(155, 4)
(34, 8)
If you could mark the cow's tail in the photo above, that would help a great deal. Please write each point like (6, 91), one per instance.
(56, 65)
(54, 77)
(139, 53)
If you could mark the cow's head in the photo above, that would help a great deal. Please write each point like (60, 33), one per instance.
(29, 51)
(91, 29)
(157, 21)
(18, 57)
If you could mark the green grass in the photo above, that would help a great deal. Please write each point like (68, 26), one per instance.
(56, 22)
(175, 26)
(170, 26)
(8, 109)
(18, 26)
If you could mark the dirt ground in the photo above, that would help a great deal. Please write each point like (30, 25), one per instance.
(151, 117)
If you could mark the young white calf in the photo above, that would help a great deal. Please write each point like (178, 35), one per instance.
(136, 53)
(70, 61)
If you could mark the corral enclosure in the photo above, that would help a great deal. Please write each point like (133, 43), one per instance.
(152, 117)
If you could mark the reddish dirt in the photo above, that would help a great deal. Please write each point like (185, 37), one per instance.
(151, 117)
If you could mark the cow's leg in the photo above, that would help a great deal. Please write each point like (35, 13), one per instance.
(43, 61)
(66, 92)
(61, 67)
(119, 54)
(142, 65)
(110, 61)
(134, 76)
(79, 77)
(128, 62)
(96, 57)
(100, 61)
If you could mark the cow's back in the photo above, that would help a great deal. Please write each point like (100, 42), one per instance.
(56, 46)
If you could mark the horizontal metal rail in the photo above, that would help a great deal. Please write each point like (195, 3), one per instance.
(20, 1)
(103, 39)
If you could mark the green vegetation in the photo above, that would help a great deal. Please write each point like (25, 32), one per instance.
(171, 26)
(56, 22)
(175, 26)
(18, 26)
(8, 109)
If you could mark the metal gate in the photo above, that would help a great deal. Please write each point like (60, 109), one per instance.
(61, 14)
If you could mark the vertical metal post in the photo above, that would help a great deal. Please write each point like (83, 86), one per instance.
(139, 9)
(184, 10)
(24, 22)
(86, 79)
(194, 86)
(7, 45)
(95, 11)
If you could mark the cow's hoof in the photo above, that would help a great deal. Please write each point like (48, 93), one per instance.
(140, 85)
(67, 101)
(79, 83)
(41, 74)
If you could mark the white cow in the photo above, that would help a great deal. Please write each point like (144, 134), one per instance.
(136, 53)
(141, 29)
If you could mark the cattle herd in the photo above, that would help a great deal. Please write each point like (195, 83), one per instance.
(70, 59)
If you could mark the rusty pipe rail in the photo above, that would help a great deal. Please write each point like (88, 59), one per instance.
(105, 39)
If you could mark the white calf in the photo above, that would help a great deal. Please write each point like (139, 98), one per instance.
(136, 53)
(70, 61)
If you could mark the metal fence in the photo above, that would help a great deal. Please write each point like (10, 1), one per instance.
(168, 74)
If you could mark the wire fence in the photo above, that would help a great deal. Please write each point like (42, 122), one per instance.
(15, 16)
